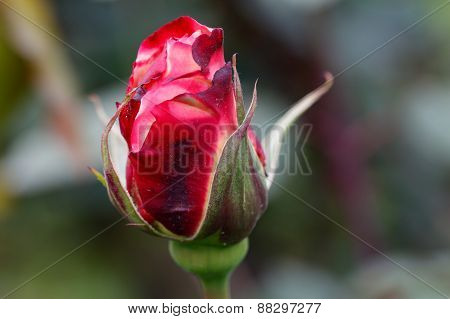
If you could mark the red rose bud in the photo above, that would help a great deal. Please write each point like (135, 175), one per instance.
(194, 169)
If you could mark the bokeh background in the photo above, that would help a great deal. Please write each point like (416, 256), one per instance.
(379, 149)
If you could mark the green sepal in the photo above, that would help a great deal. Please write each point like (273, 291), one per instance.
(238, 195)
(240, 110)
(98, 175)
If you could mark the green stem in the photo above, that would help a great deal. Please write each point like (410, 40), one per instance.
(212, 264)
(216, 288)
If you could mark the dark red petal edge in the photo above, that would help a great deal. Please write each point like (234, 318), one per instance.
(205, 46)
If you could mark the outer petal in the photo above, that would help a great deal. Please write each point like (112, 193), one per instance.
(182, 147)
(128, 204)
(117, 193)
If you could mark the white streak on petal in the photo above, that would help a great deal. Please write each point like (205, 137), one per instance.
(117, 144)
(119, 153)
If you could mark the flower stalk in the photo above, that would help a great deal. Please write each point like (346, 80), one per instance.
(211, 264)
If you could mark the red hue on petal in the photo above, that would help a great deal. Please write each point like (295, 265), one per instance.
(258, 147)
(177, 122)
(149, 61)
(205, 46)
(221, 96)
(174, 168)
(179, 60)
(144, 118)
(126, 119)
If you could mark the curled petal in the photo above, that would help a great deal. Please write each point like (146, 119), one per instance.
(207, 51)
(151, 58)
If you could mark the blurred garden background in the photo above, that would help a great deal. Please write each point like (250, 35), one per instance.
(379, 150)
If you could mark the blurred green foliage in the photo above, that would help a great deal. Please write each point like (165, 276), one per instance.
(377, 151)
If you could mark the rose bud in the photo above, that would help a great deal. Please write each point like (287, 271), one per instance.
(186, 164)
